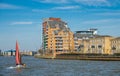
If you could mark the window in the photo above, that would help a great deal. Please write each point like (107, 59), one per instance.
(81, 45)
(113, 48)
(99, 46)
(92, 46)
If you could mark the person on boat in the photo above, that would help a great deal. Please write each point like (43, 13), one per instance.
(23, 64)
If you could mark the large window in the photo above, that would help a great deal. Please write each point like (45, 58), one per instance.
(81, 45)
(99, 46)
(113, 48)
(92, 46)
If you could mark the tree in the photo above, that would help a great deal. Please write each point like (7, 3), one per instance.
(40, 51)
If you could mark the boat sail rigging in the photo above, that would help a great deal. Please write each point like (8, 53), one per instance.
(17, 56)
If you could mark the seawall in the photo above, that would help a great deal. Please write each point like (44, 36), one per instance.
(88, 57)
(74, 56)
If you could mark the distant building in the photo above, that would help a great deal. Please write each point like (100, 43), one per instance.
(93, 31)
(28, 53)
(82, 36)
(0, 52)
(85, 34)
(9, 53)
(115, 45)
(57, 37)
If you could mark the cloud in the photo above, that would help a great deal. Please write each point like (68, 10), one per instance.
(39, 10)
(94, 2)
(102, 21)
(52, 1)
(22, 23)
(91, 3)
(66, 7)
(115, 13)
(8, 6)
(43, 11)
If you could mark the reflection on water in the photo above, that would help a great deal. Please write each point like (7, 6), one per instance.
(48, 67)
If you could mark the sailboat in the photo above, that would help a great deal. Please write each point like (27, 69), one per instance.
(19, 63)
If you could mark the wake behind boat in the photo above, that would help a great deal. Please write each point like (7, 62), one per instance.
(18, 59)
(13, 67)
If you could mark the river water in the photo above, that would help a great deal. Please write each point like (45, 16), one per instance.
(49, 67)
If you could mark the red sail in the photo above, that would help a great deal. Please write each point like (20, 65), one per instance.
(18, 59)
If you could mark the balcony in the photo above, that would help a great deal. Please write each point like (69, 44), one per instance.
(59, 45)
(59, 41)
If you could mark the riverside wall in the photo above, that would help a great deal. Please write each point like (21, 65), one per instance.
(74, 56)
(88, 57)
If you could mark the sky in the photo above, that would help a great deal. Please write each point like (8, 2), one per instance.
(21, 20)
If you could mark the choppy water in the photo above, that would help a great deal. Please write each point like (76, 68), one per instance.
(48, 67)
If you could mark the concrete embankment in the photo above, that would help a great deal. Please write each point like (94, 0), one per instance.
(80, 57)
(47, 56)
(87, 57)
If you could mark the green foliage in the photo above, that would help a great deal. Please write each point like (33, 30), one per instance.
(40, 51)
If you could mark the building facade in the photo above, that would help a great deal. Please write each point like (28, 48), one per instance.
(57, 37)
(82, 37)
(100, 45)
(115, 45)
(96, 45)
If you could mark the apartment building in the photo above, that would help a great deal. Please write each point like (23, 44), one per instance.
(57, 37)
(115, 45)
(96, 45)
(100, 45)
(81, 39)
